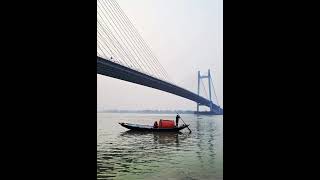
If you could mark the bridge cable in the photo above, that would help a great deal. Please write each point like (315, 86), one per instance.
(100, 45)
(109, 51)
(129, 24)
(204, 88)
(115, 57)
(125, 55)
(103, 34)
(214, 92)
(102, 51)
(138, 51)
(140, 39)
(114, 44)
(128, 37)
(108, 12)
(128, 54)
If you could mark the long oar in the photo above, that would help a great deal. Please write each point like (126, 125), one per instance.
(183, 121)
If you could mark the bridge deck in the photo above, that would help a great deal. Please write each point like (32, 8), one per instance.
(115, 70)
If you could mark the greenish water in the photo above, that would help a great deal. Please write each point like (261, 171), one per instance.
(126, 155)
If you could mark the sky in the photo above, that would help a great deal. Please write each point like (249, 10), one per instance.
(186, 36)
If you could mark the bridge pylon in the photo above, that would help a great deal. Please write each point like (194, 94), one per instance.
(208, 76)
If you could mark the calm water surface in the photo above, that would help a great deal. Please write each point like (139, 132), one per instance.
(126, 155)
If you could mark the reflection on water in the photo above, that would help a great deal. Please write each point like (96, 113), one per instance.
(124, 154)
(159, 137)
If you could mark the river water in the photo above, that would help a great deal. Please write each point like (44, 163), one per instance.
(125, 155)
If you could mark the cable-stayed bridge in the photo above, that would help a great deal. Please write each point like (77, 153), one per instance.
(123, 54)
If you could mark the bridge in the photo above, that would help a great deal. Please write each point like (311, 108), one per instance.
(123, 54)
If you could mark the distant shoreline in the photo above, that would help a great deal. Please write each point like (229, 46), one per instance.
(147, 111)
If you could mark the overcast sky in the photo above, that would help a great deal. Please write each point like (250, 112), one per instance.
(186, 36)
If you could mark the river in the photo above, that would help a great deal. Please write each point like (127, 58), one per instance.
(157, 156)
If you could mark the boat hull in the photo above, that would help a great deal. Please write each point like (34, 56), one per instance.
(136, 127)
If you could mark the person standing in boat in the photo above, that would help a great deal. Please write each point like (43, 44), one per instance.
(155, 125)
(177, 120)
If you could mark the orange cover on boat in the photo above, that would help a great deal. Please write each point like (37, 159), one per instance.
(166, 123)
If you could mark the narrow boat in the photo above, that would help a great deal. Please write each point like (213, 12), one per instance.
(138, 127)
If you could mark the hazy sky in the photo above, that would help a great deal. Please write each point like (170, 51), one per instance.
(186, 36)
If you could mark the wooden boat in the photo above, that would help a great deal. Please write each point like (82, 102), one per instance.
(138, 127)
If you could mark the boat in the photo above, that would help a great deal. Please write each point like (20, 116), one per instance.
(139, 127)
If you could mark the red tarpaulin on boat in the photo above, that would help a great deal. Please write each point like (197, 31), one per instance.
(166, 123)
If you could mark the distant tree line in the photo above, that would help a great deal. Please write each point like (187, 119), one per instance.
(149, 111)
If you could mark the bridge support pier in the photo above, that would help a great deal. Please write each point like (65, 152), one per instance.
(199, 77)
